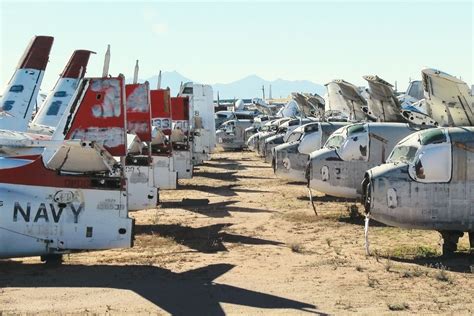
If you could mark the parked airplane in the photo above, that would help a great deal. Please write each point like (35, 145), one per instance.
(427, 183)
(73, 197)
(231, 134)
(182, 148)
(139, 168)
(291, 158)
(165, 174)
(338, 168)
(202, 127)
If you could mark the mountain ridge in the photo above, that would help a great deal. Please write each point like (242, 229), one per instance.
(247, 87)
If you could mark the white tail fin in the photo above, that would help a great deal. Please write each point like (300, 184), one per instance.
(18, 100)
(57, 101)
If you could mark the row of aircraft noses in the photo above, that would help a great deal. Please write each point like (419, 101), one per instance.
(407, 158)
(96, 149)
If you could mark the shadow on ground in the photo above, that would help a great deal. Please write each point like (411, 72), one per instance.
(217, 209)
(185, 293)
(458, 262)
(207, 239)
(223, 190)
(225, 176)
(327, 198)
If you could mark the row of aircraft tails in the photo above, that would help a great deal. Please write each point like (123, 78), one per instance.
(96, 149)
(408, 158)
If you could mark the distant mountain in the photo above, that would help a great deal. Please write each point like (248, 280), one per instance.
(248, 87)
(251, 86)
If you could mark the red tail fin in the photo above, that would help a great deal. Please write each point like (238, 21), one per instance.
(37, 53)
(180, 108)
(98, 114)
(138, 110)
(161, 110)
(78, 61)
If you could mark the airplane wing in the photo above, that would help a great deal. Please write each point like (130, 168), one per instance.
(448, 100)
(354, 100)
(80, 156)
(382, 103)
(263, 107)
(309, 104)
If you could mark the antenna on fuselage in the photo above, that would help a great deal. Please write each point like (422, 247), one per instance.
(105, 71)
(135, 74)
(158, 84)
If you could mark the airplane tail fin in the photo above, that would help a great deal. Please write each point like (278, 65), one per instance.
(138, 110)
(161, 110)
(19, 98)
(382, 102)
(448, 99)
(160, 103)
(97, 114)
(58, 100)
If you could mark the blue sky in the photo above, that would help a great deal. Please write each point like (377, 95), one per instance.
(213, 42)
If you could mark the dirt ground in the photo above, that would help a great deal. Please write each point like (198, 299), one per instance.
(237, 240)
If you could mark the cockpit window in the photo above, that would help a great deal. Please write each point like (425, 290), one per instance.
(295, 136)
(404, 154)
(357, 128)
(335, 142)
(311, 128)
(433, 136)
(293, 123)
(188, 90)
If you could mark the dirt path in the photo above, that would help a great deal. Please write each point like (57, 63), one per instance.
(237, 240)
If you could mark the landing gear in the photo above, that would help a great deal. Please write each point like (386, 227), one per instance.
(450, 241)
(52, 259)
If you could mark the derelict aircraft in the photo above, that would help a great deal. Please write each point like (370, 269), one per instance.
(54, 203)
(344, 102)
(427, 182)
(338, 168)
(142, 193)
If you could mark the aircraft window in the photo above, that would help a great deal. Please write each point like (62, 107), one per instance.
(54, 108)
(433, 136)
(293, 123)
(358, 128)
(420, 171)
(60, 94)
(294, 137)
(335, 141)
(403, 154)
(17, 88)
(416, 90)
(188, 90)
(229, 128)
(354, 147)
(311, 128)
(433, 164)
(243, 116)
(8, 105)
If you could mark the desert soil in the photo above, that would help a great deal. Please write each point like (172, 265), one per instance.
(237, 240)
